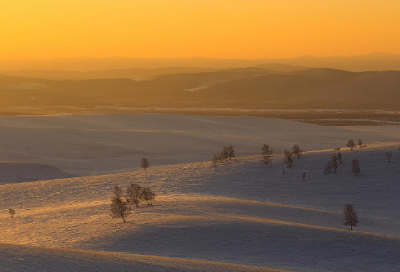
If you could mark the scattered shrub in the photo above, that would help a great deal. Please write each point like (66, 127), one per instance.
(11, 211)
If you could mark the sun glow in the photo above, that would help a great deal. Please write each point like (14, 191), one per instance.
(44, 29)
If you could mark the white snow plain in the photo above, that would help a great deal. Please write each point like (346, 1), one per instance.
(238, 216)
(104, 144)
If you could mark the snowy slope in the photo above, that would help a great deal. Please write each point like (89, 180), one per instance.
(106, 144)
(236, 213)
(13, 172)
(18, 258)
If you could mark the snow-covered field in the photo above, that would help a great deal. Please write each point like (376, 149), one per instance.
(238, 216)
(13, 172)
(236, 213)
(105, 144)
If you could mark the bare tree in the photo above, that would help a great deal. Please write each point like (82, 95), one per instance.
(355, 164)
(389, 156)
(11, 211)
(119, 207)
(351, 144)
(360, 143)
(221, 156)
(334, 163)
(134, 194)
(225, 153)
(265, 150)
(266, 160)
(339, 156)
(231, 152)
(303, 177)
(297, 150)
(288, 158)
(328, 167)
(148, 195)
(145, 164)
(350, 216)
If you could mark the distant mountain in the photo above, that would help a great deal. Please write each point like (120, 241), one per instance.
(371, 62)
(239, 88)
(280, 67)
(102, 74)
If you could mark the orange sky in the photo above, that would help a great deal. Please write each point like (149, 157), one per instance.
(203, 28)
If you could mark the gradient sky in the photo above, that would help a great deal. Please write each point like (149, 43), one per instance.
(46, 29)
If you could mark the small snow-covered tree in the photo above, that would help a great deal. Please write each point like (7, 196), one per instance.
(288, 158)
(119, 207)
(339, 156)
(145, 164)
(355, 164)
(389, 156)
(297, 150)
(265, 150)
(11, 211)
(350, 216)
(351, 144)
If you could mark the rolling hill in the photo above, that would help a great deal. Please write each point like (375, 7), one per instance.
(244, 88)
(238, 216)
(105, 144)
(15, 172)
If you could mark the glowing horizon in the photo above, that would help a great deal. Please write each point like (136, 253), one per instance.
(47, 29)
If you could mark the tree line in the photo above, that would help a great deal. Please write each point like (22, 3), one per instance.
(227, 153)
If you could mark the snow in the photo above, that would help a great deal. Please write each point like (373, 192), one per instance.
(105, 144)
(11, 172)
(238, 216)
